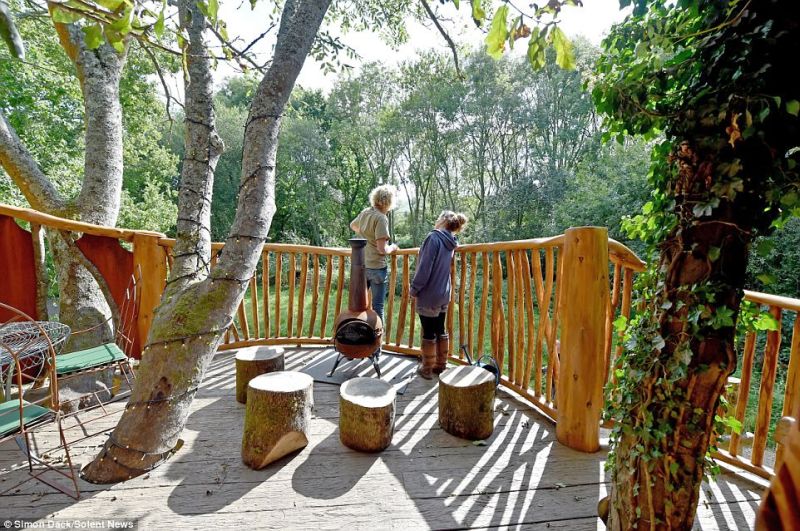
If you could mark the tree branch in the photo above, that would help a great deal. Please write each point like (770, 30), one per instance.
(450, 43)
(9, 33)
(77, 255)
(17, 161)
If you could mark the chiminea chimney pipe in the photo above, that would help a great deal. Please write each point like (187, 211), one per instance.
(358, 276)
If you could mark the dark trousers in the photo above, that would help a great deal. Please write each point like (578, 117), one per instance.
(432, 327)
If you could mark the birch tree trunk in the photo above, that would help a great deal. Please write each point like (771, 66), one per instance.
(176, 357)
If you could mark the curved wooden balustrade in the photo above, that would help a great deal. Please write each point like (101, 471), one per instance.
(506, 301)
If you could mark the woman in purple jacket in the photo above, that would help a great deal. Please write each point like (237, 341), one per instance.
(431, 288)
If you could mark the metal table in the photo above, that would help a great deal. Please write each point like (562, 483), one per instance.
(26, 340)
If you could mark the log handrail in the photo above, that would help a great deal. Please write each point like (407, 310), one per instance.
(53, 222)
(759, 392)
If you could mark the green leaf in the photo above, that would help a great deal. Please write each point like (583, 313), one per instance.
(673, 468)
(122, 25)
(620, 323)
(118, 46)
(213, 9)
(536, 56)
(478, 14)
(565, 54)
(793, 107)
(765, 321)
(713, 254)
(455, 2)
(62, 16)
(93, 35)
(159, 26)
(111, 5)
(498, 33)
(765, 247)
(766, 278)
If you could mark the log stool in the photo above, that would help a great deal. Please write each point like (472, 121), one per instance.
(252, 362)
(366, 414)
(466, 402)
(277, 417)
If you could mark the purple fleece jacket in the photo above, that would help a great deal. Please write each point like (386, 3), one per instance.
(431, 284)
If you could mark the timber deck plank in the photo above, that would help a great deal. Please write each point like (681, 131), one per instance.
(521, 478)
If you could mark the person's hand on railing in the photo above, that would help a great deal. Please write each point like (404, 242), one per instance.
(391, 248)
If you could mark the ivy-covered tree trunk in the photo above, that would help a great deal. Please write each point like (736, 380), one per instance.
(660, 454)
(726, 173)
(198, 306)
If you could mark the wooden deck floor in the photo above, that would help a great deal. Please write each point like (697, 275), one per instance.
(426, 479)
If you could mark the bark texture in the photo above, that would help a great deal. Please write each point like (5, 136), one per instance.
(81, 304)
(366, 414)
(195, 311)
(255, 361)
(277, 419)
(466, 402)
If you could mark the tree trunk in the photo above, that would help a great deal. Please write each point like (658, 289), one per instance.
(656, 482)
(176, 357)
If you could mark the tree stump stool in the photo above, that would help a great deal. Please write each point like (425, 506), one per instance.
(252, 362)
(466, 402)
(277, 417)
(366, 414)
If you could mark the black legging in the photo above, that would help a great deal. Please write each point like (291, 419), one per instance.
(432, 327)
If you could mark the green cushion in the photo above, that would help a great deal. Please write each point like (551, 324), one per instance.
(88, 359)
(9, 415)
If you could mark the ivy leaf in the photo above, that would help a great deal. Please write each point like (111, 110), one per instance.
(793, 107)
(723, 318)
(498, 33)
(478, 14)
(705, 209)
(620, 323)
(93, 36)
(565, 54)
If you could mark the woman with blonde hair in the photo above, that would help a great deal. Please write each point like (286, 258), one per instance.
(431, 287)
(373, 225)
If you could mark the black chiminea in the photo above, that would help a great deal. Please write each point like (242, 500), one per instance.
(359, 330)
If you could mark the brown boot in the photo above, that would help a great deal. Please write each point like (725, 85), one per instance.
(442, 349)
(428, 358)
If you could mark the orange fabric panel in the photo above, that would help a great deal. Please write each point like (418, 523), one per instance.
(116, 265)
(17, 269)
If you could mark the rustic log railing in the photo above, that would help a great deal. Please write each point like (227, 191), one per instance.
(509, 299)
(734, 450)
(505, 302)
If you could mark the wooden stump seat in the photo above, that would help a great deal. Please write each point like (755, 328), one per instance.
(255, 361)
(366, 414)
(277, 416)
(466, 402)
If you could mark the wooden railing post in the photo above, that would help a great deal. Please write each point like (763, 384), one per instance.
(150, 260)
(585, 299)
